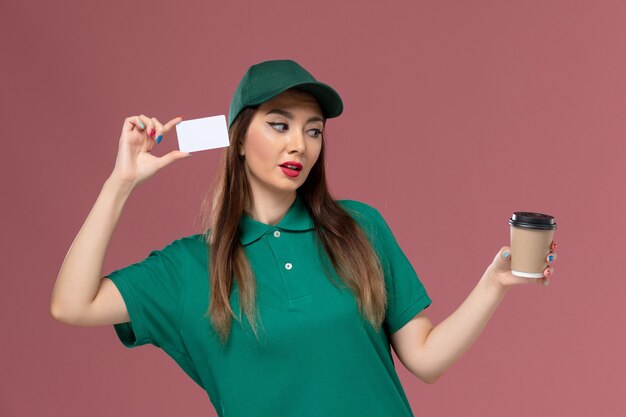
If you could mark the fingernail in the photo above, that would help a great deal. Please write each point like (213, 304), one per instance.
(553, 245)
(506, 255)
(142, 125)
(548, 272)
(159, 138)
(550, 258)
(151, 132)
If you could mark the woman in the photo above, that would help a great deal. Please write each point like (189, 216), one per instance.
(323, 285)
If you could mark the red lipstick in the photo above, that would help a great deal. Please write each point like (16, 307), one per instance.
(291, 168)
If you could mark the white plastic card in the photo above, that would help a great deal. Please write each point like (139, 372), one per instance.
(202, 134)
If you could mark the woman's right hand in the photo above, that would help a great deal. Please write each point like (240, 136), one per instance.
(134, 163)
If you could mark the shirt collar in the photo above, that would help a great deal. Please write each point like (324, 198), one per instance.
(296, 219)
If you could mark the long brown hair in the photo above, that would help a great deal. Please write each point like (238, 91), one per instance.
(345, 243)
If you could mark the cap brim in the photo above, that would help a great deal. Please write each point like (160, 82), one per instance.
(329, 100)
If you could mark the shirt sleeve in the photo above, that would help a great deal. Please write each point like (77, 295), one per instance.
(153, 290)
(406, 295)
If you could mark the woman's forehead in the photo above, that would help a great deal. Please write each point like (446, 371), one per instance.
(293, 100)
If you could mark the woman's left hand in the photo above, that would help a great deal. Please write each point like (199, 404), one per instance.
(501, 269)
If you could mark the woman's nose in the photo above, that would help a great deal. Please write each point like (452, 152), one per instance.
(296, 142)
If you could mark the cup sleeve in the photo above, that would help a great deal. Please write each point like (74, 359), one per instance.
(153, 291)
(406, 294)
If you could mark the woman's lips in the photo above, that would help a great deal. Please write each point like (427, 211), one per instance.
(291, 168)
(290, 172)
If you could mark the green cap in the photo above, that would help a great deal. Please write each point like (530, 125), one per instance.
(267, 79)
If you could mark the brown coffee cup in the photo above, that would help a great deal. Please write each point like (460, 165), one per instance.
(531, 238)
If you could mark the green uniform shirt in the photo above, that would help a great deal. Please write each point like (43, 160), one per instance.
(316, 356)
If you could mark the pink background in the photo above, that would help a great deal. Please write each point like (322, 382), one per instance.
(456, 114)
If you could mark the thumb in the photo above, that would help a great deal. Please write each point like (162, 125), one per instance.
(173, 156)
(502, 261)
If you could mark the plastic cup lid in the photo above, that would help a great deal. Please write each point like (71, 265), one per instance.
(531, 220)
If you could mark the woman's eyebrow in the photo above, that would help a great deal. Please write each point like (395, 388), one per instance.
(290, 116)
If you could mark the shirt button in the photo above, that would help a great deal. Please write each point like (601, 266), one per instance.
(277, 234)
(288, 266)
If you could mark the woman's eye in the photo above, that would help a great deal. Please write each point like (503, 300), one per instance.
(282, 127)
(316, 131)
(277, 124)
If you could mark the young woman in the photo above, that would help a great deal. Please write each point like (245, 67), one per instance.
(319, 288)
